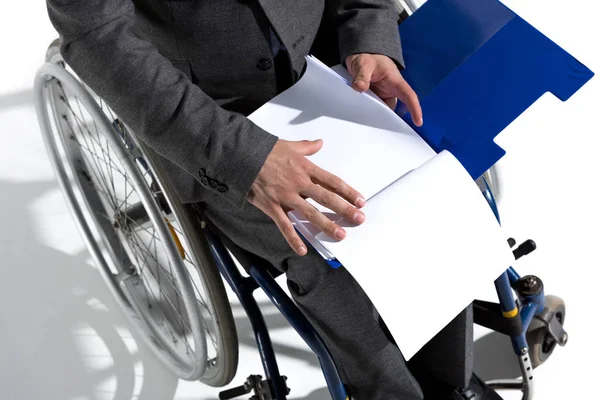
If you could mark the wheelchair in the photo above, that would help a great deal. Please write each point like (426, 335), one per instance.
(166, 266)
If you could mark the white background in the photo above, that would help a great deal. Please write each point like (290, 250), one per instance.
(62, 337)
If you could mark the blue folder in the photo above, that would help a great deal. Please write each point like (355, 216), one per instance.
(476, 66)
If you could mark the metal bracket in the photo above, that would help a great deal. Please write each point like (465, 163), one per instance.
(126, 273)
(555, 329)
(525, 384)
(135, 152)
(255, 384)
(468, 394)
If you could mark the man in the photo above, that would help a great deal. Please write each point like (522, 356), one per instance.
(184, 73)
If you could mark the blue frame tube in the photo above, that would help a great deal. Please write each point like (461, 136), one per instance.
(299, 322)
(508, 304)
(528, 311)
(513, 276)
(243, 288)
(505, 294)
(530, 306)
(503, 285)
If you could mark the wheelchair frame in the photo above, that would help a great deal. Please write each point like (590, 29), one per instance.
(510, 316)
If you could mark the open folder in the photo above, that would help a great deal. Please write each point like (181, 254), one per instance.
(430, 239)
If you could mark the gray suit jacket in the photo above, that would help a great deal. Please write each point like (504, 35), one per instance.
(184, 73)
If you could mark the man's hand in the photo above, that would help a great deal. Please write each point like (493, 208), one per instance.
(380, 74)
(288, 178)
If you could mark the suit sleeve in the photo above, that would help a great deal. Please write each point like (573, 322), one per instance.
(367, 26)
(160, 103)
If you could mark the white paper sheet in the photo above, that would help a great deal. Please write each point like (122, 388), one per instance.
(429, 243)
(364, 142)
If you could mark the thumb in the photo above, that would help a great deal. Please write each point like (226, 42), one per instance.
(308, 147)
(362, 71)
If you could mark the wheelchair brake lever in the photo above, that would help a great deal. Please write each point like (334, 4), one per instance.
(512, 242)
(524, 248)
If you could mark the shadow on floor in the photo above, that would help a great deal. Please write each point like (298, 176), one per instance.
(16, 99)
(57, 338)
(495, 358)
(319, 394)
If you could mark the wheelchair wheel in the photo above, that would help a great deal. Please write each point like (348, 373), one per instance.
(541, 343)
(492, 176)
(491, 179)
(147, 245)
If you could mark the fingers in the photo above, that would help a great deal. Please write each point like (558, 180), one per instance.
(388, 80)
(336, 204)
(336, 185)
(408, 96)
(362, 69)
(308, 147)
(319, 220)
(287, 230)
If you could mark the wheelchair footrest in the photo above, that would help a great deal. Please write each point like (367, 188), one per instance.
(261, 389)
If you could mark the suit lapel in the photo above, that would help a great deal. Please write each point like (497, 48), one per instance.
(280, 15)
(296, 23)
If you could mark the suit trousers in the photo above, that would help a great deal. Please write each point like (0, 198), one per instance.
(370, 364)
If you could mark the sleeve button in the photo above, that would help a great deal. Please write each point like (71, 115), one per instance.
(222, 188)
(204, 180)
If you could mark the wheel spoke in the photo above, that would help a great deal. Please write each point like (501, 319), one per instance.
(124, 202)
(183, 323)
(97, 170)
(125, 179)
(128, 237)
(102, 178)
(200, 298)
(174, 336)
(106, 152)
(110, 170)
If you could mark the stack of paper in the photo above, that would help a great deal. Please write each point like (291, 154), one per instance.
(365, 142)
(429, 240)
